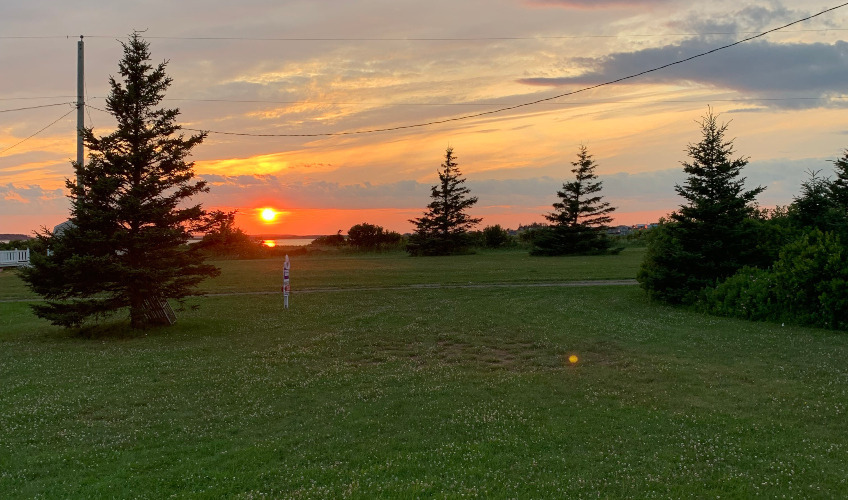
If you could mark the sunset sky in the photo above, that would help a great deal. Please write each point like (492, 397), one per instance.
(343, 67)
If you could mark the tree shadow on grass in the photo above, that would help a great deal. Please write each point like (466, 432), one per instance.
(113, 328)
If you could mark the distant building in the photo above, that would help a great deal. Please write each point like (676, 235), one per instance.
(640, 227)
(58, 230)
(619, 230)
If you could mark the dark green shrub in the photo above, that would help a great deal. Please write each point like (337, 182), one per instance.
(664, 275)
(496, 237)
(433, 245)
(811, 278)
(748, 294)
(808, 285)
(30, 243)
(565, 240)
(372, 238)
(332, 240)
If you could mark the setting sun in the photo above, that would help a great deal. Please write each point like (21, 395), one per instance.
(268, 214)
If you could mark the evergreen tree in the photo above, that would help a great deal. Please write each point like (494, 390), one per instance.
(817, 207)
(710, 236)
(823, 203)
(839, 186)
(581, 217)
(443, 229)
(131, 217)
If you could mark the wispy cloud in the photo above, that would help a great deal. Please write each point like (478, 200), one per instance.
(750, 18)
(25, 199)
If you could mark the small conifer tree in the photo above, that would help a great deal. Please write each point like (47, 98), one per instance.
(443, 229)
(581, 218)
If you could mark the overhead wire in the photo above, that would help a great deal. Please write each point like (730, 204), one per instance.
(34, 107)
(531, 103)
(90, 121)
(446, 120)
(40, 131)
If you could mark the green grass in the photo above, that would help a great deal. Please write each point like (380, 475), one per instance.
(11, 286)
(398, 269)
(424, 392)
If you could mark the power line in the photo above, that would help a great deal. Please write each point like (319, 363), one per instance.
(34, 107)
(90, 121)
(564, 104)
(538, 101)
(40, 131)
(475, 115)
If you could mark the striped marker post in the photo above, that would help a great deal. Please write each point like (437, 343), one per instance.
(286, 286)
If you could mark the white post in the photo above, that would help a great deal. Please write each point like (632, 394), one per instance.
(286, 286)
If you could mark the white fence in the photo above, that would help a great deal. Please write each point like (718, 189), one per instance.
(14, 258)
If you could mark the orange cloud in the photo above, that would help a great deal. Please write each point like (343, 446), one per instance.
(14, 196)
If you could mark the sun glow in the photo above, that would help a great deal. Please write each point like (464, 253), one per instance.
(268, 214)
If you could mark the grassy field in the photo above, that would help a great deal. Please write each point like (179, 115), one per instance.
(423, 392)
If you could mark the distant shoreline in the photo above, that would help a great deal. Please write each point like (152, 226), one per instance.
(14, 237)
(287, 236)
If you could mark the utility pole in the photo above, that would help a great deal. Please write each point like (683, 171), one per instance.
(80, 103)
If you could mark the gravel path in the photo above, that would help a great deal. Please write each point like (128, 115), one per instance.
(427, 286)
(422, 286)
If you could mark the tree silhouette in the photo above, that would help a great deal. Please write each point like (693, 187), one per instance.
(443, 229)
(581, 217)
(709, 237)
(839, 186)
(131, 217)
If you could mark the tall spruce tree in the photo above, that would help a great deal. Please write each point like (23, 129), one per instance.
(131, 216)
(710, 236)
(581, 217)
(443, 229)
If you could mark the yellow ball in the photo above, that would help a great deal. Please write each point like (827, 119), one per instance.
(572, 359)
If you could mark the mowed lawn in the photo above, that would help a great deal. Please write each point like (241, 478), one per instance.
(413, 391)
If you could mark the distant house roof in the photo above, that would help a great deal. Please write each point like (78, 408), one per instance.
(58, 230)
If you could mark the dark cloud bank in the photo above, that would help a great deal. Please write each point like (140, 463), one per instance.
(758, 69)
